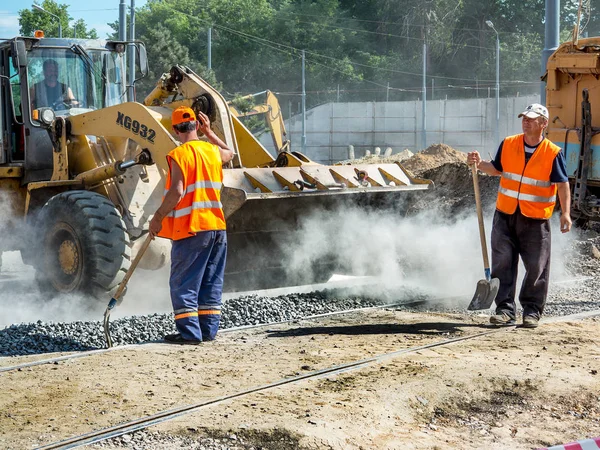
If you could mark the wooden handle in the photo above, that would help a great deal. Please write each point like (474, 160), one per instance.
(484, 251)
(134, 264)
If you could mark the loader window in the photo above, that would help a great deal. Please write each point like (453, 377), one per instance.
(15, 87)
(55, 82)
(72, 82)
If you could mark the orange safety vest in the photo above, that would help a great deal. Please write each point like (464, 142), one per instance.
(200, 208)
(527, 186)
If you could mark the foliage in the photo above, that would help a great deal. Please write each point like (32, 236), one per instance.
(33, 19)
(243, 104)
(354, 50)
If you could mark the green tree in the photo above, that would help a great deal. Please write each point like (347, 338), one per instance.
(163, 52)
(32, 19)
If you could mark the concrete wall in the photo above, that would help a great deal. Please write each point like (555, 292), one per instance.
(463, 124)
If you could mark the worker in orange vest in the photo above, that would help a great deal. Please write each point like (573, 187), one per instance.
(532, 171)
(191, 215)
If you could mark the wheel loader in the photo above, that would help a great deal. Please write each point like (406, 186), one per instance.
(273, 116)
(81, 177)
(573, 101)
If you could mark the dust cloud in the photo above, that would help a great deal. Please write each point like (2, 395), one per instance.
(22, 302)
(442, 258)
(424, 253)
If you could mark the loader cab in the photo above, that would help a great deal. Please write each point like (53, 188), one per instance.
(72, 80)
(67, 76)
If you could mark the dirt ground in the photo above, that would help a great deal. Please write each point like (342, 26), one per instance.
(515, 389)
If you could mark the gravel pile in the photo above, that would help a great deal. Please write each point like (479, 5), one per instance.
(42, 337)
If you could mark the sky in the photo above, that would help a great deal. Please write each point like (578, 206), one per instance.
(95, 15)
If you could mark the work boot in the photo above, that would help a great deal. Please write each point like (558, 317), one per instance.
(530, 322)
(178, 339)
(502, 319)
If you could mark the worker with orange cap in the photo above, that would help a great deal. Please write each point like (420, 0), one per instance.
(191, 215)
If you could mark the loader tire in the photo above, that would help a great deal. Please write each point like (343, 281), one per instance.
(85, 247)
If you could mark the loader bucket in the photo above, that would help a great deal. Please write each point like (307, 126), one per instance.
(265, 208)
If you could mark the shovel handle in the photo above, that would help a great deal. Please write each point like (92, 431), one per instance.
(134, 264)
(484, 250)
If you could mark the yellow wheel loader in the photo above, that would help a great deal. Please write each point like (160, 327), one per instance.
(271, 111)
(82, 171)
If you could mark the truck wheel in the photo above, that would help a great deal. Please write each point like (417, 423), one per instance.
(85, 246)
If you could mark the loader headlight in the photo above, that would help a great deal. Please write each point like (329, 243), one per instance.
(44, 115)
(47, 116)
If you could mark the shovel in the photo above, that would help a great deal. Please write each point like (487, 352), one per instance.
(487, 289)
(113, 301)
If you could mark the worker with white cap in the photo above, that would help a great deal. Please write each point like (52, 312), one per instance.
(532, 172)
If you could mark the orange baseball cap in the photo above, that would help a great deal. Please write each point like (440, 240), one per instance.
(182, 114)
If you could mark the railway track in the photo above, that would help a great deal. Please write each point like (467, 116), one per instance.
(166, 415)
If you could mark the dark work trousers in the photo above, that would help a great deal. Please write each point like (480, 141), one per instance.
(197, 272)
(515, 235)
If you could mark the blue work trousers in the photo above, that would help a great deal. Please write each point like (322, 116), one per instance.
(197, 271)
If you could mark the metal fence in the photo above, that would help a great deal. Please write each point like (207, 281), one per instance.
(465, 125)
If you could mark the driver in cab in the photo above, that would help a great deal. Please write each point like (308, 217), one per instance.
(51, 92)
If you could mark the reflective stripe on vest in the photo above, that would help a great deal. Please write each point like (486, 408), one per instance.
(527, 186)
(200, 207)
(196, 205)
(200, 185)
(528, 197)
(526, 180)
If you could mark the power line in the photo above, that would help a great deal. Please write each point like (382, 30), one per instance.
(97, 9)
(262, 40)
(415, 39)
(380, 22)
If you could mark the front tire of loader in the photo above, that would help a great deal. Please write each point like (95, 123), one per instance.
(85, 248)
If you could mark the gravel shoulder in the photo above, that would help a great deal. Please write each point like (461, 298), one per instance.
(515, 389)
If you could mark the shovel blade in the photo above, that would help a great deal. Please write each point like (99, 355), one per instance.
(485, 294)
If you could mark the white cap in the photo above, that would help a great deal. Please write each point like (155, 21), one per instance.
(534, 111)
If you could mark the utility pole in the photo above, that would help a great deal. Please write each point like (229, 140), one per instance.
(497, 129)
(424, 99)
(303, 105)
(551, 39)
(209, 46)
(387, 92)
(131, 53)
(122, 21)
